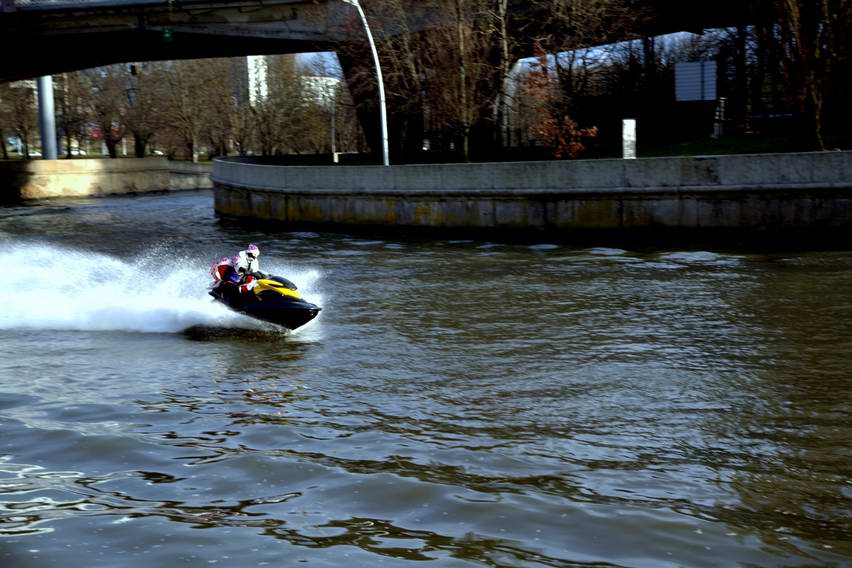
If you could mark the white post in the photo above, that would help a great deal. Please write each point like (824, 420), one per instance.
(334, 124)
(719, 122)
(628, 137)
(382, 108)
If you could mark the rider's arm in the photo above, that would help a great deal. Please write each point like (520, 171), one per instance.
(248, 284)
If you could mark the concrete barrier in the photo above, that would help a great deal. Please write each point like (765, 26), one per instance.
(39, 179)
(186, 175)
(771, 191)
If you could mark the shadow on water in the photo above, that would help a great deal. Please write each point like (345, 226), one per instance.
(642, 240)
(212, 333)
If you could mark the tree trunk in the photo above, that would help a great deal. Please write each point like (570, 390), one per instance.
(813, 117)
(363, 93)
(139, 143)
(757, 105)
(111, 147)
(740, 102)
(465, 123)
(502, 14)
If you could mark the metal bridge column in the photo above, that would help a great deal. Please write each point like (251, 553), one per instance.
(46, 117)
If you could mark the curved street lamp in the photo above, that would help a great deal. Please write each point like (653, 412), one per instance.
(382, 109)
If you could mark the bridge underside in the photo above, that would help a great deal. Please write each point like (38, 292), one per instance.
(95, 50)
(48, 41)
(44, 42)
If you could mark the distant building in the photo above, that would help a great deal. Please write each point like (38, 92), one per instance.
(257, 78)
(249, 79)
(320, 75)
(322, 89)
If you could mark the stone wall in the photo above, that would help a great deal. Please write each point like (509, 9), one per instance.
(186, 175)
(39, 179)
(773, 191)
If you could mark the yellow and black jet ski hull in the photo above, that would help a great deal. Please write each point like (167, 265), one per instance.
(274, 300)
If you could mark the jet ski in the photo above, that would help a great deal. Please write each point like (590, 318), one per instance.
(274, 300)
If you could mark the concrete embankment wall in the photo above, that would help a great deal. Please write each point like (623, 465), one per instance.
(774, 191)
(186, 175)
(39, 179)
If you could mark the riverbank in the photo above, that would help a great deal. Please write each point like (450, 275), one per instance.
(40, 179)
(767, 193)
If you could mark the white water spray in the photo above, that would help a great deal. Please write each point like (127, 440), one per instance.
(51, 287)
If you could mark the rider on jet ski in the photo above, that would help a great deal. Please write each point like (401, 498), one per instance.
(249, 263)
(239, 284)
(227, 277)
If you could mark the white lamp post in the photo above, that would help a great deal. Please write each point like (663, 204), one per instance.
(382, 109)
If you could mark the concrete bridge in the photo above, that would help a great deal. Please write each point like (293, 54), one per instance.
(43, 37)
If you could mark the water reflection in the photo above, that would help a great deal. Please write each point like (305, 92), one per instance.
(781, 447)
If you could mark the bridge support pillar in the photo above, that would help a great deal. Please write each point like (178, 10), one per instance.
(46, 117)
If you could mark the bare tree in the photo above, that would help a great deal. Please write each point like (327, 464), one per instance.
(71, 105)
(146, 110)
(274, 113)
(571, 32)
(813, 36)
(347, 132)
(19, 100)
(463, 84)
(185, 109)
(109, 90)
(242, 126)
(294, 117)
(500, 17)
(218, 99)
(400, 48)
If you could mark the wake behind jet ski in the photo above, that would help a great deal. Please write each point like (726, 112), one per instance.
(242, 287)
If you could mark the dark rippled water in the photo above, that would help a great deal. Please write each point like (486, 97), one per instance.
(464, 403)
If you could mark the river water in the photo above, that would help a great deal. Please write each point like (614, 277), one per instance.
(461, 402)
